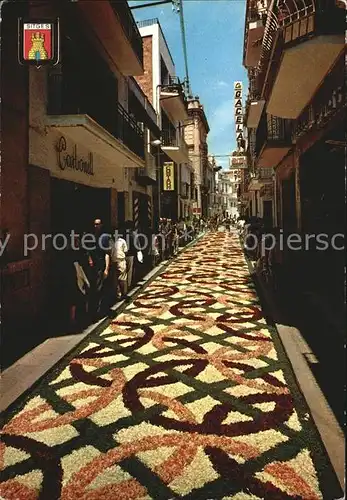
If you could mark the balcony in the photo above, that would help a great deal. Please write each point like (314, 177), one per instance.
(254, 103)
(144, 109)
(328, 103)
(312, 38)
(273, 141)
(253, 39)
(172, 99)
(174, 145)
(96, 120)
(147, 176)
(265, 174)
(114, 26)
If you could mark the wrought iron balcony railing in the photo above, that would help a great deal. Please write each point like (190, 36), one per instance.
(173, 84)
(273, 131)
(139, 94)
(291, 22)
(173, 138)
(169, 138)
(301, 18)
(123, 12)
(68, 96)
(265, 173)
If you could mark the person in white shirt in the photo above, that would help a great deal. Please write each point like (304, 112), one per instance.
(119, 265)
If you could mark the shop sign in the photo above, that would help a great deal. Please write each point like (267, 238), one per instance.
(168, 176)
(237, 162)
(72, 161)
(38, 42)
(238, 113)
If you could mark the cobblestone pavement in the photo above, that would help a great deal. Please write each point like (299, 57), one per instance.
(187, 394)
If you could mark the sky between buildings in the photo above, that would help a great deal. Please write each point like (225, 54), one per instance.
(214, 32)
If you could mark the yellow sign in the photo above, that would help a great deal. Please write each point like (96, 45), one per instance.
(169, 176)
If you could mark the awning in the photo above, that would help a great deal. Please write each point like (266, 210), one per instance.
(254, 38)
(302, 70)
(285, 168)
(254, 113)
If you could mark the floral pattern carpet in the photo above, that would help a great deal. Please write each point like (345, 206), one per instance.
(187, 394)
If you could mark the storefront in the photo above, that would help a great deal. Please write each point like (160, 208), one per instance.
(75, 206)
(286, 194)
(78, 171)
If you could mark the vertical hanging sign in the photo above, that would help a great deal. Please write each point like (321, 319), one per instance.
(38, 42)
(238, 113)
(168, 176)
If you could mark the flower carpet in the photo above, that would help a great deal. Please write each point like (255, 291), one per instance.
(187, 394)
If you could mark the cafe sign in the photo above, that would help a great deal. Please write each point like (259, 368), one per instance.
(168, 176)
(69, 159)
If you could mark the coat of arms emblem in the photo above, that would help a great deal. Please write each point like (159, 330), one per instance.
(38, 42)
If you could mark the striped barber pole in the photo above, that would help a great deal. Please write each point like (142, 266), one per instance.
(149, 206)
(136, 207)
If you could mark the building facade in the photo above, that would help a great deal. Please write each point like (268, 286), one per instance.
(196, 131)
(296, 105)
(294, 59)
(75, 144)
(225, 193)
(165, 92)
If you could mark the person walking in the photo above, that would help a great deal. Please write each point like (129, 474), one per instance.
(75, 285)
(119, 266)
(131, 261)
(99, 262)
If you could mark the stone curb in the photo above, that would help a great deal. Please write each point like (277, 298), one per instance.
(30, 379)
(298, 352)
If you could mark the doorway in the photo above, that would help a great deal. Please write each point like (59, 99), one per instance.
(267, 213)
(75, 206)
(289, 220)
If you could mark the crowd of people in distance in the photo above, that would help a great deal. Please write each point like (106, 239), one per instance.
(87, 282)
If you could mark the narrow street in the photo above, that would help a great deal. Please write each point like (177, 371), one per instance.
(187, 394)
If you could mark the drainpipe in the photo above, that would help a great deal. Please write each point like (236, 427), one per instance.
(157, 97)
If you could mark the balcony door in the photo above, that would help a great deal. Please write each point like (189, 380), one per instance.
(168, 131)
(75, 206)
(89, 85)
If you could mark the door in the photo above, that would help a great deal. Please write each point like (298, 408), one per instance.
(288, 204)
(267, 213)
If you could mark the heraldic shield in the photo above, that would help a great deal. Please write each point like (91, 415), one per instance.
(38, 42)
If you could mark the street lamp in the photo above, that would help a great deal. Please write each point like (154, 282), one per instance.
(157, 143)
